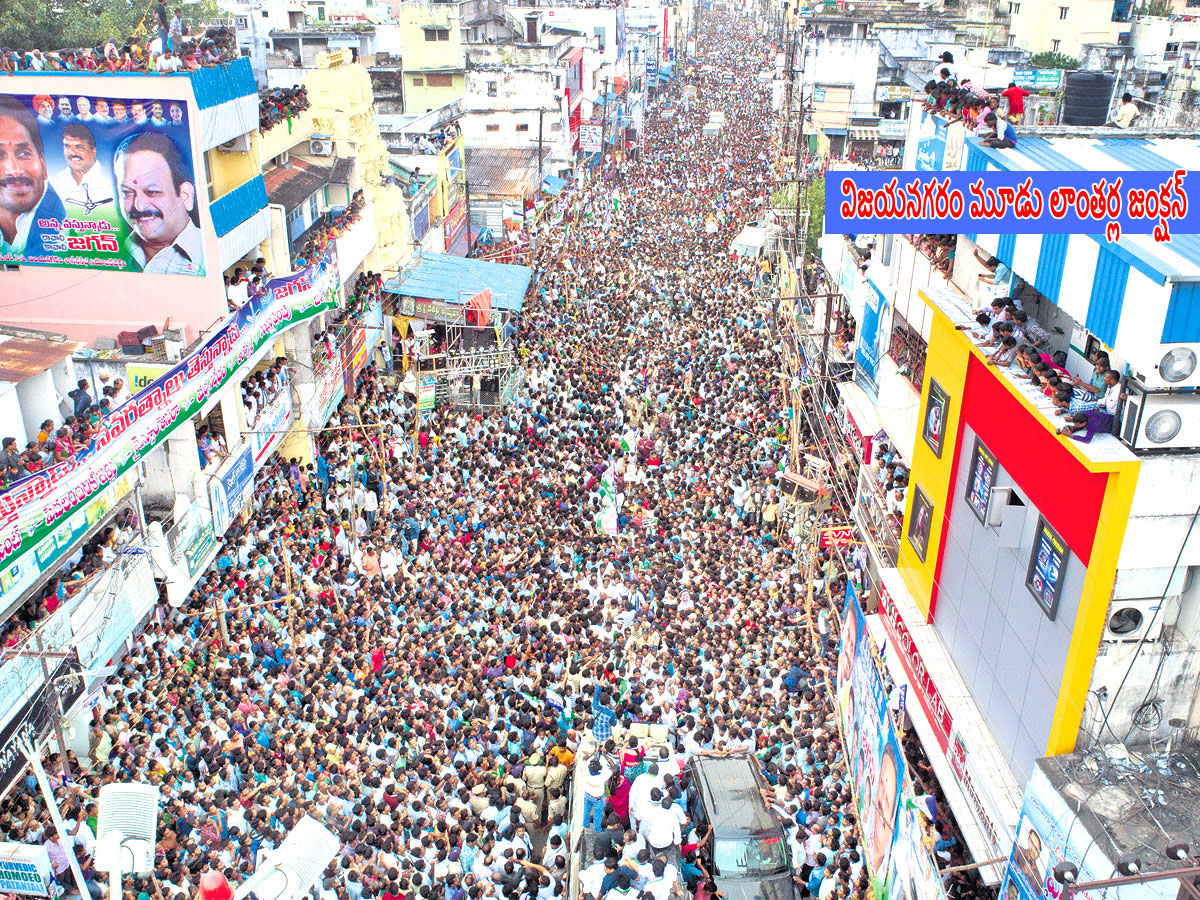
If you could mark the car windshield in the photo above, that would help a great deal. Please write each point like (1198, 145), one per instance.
(749, 856)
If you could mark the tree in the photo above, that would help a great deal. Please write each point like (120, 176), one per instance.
(1051, 59)
(815, 203)
(70, 24)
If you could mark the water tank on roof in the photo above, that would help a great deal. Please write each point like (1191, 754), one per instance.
(1086, 97)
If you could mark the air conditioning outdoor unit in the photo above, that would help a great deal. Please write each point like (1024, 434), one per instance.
(1130, 620)
(240, 144)
(320, 147)
(1160, 420)
(1174, 366)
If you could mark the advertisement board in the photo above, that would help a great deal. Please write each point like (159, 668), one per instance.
(354, 356)
(427, 395)
(272, 424)
(1047, 563)
(1048, 834)
(1038, 79)
(99, 626)
(331, 388)
(876, 762)
(981, 480)
(24, 869)
(230, 491)
(456, 222)
(90, 191)
(35, 510)
(591, 133)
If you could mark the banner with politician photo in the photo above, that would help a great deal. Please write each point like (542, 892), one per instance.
(95, 182)
(876, 762)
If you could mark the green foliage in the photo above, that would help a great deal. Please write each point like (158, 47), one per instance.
(1156, 8)
(1049, 59)
(815, 199)
(69, 24)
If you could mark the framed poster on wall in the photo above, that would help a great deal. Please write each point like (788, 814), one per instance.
(1047, 567)
(980, 481)
(920, 520)
(933, 428)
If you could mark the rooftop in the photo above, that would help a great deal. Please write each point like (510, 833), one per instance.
(506, 171)
(455, 279)
(291, 185)
(1107, 787)
(1112, 149)
(22, 358)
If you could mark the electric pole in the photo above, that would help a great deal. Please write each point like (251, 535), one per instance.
(541, 114)
(604, 124)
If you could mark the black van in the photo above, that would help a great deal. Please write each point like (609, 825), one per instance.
(748, 853)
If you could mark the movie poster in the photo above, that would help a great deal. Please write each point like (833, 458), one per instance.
(95, 182)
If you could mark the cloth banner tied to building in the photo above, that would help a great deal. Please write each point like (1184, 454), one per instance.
(899, 864)
(37, 507)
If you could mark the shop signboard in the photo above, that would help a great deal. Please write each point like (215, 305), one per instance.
(837, 537)
(195, 542)
(354, 356)
(35, 510)
(272, 424)
(230, 491)
(591, 133)
(98, 625)
(140, 375)
(941, 719)
(1048, 833)
(456, 222)
(892, 93)
(893, 129)
(85, 214)
(331, 388)
(1038, 79)
(37, 717)
(24, 869)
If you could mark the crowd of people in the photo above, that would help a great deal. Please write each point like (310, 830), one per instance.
(281, 105)
(329, 230)
(439, 140)
(183, 51)
(425, 638)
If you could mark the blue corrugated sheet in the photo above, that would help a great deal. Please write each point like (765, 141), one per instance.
(1108, 296)
(1138, 153)
(552, 184)
(223, 83)
(238, 205)
(1051, 259)
(1005, 248)
(1183, 315)
(455, 279)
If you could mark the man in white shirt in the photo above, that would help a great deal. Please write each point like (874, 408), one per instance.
(660, 827)
(659, 887)
(158, 200)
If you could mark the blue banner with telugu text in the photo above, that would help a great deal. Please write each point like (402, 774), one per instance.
(1109, 203)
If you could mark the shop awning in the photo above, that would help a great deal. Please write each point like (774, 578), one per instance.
(456, 279)
(838, 132)
(970, 769)
(860, 408)
(863, 133)
(552, 184)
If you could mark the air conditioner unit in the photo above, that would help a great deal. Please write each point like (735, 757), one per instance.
(1171, 366)
(1131, 620)
(1160, 420)
(320, 147)
(240, 144)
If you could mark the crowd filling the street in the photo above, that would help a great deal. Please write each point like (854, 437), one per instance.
(422, 637)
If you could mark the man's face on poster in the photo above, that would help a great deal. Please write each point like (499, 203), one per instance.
(22, 168)
(157, 212)
(883, 809)
(45, 109)
(156, 110)
(79, 154)
(84, 105)
(119, 112)
(64, 107)
(102, 108)
(139, 112)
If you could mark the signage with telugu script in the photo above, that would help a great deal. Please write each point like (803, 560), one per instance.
(1038, 79)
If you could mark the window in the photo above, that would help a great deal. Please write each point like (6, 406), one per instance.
(1062, 12)
(430, 35)
(601, 37)
(908, 350)
(312, 208)
(436, 34)
(1014, 8)
(524, 126)
(418, 81)
(492, 91)
(1193, 3)
(1012, 38)
(492, 128)
(1054, 45)
(440, 80)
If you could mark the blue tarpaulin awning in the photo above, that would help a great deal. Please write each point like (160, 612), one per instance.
(456, 279)
(552, 184)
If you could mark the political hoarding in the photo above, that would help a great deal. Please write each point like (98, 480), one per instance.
(32, 508)
(893, 835)
(1048, 833)
(100, 182)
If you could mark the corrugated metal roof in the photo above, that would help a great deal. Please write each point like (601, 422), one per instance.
(503, 171)
(455, 279)
(291, 185)
(1178, 259)
(22, 358)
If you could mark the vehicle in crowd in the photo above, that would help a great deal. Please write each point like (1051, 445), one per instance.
(748, 853)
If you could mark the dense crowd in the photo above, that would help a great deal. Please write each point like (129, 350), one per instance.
(281, 105)
(185, 51)
(328, 230)
(462, 631)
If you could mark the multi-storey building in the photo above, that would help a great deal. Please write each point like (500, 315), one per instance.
(1036, 592)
